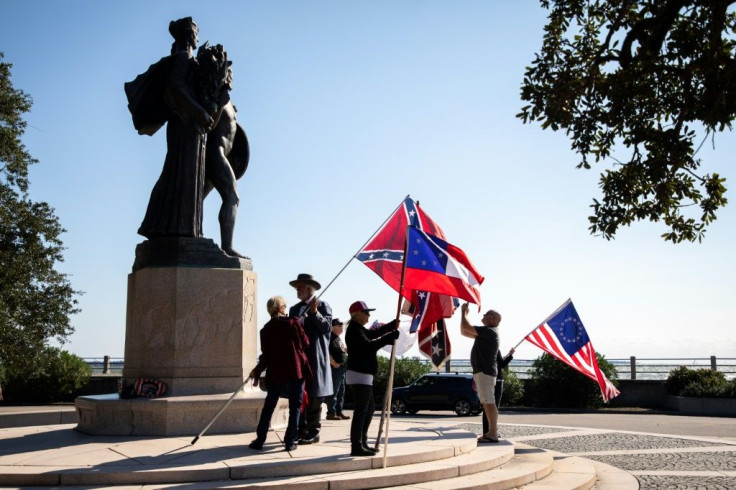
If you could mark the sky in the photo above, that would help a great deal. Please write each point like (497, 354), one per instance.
(349, 107)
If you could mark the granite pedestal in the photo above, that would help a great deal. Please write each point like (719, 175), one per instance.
(195, 329)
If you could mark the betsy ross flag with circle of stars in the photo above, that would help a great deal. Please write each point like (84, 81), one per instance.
(563, 336)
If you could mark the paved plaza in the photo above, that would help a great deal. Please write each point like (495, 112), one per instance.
(659, 450)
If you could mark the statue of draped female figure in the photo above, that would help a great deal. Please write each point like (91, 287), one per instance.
(205, 147)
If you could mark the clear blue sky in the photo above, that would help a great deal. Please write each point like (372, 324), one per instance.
(349, 107)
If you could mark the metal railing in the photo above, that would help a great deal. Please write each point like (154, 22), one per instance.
(659, 368)
(105, 365)
(645, 368)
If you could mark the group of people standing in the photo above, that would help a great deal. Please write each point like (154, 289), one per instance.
(306, 361)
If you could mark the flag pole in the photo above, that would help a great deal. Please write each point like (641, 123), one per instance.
(543, 322)
(392, 364)
(361, 247)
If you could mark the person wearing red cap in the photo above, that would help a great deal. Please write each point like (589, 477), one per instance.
(362, 345)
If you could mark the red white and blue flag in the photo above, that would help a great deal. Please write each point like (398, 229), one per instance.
(563, 336)
(436, 266)
(384, 255)
(433, 339)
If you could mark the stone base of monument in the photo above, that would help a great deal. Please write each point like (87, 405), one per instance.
(195, 329)
(173, 416)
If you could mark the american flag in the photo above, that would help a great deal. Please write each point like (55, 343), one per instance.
(563, 336)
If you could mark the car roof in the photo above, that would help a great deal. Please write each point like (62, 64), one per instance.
(450, 375)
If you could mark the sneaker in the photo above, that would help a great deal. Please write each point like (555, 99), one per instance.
(291, 447)
(332, 416)
(343, 416)
(256, 444)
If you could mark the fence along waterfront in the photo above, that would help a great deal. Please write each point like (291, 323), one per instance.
(631, 368)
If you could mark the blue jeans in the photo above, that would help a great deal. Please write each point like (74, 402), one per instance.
(294, 390)
(335, 401)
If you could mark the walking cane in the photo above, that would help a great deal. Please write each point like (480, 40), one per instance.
(249, 378)
(221, 410)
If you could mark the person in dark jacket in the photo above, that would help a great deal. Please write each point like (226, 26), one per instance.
(316, 317)
(338, 360)
(502, 362)
(483, 357)
(283, 357)
(363, 344)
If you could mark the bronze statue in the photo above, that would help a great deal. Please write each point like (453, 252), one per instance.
(191, 96)
(226, 159)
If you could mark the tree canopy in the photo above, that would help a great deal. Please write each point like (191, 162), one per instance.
(651, 80)
(35, 299)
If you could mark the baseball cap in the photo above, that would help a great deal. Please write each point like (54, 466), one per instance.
(336, 321)
(359, 306)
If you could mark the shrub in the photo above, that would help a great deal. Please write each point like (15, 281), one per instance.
(555, 384)
(55, 376)
(678, 379)
(513, 389)
(698, 383)
(706, 389)
(731, 389)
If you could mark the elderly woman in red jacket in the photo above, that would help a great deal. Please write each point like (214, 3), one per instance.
(283, 357)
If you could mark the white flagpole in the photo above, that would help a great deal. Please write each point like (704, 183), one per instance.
(392, 364)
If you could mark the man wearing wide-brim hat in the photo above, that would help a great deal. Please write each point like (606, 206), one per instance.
(316, 316)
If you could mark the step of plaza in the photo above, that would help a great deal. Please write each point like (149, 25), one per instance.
(428, 455)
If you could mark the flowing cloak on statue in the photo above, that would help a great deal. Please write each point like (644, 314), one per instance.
(175, 206)
(146, 97)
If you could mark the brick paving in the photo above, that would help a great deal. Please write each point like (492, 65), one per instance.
(648, 482)
(674, 461)
(512, 431)
(614, 441)
(657, 462)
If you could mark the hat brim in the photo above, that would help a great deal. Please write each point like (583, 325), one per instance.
(365, 310)
(314, 284)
